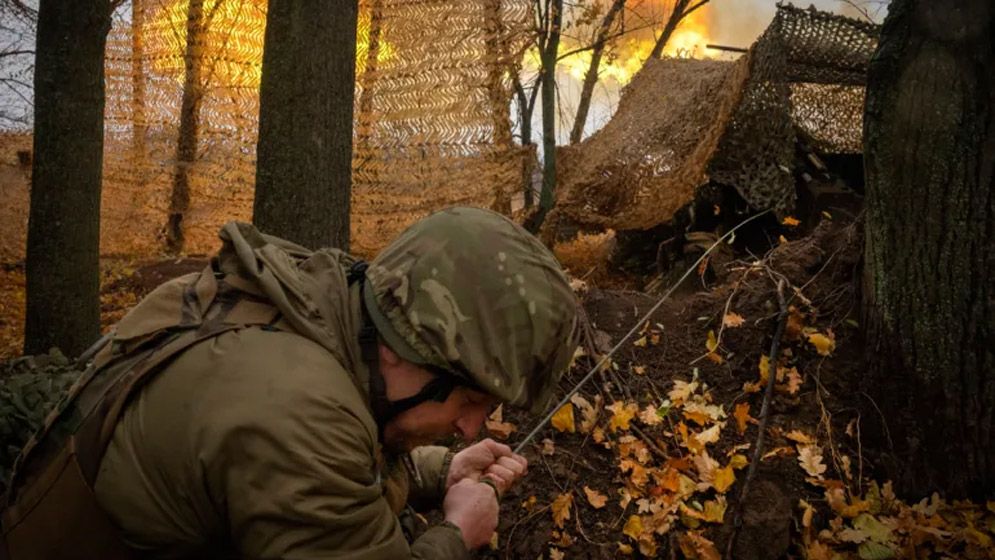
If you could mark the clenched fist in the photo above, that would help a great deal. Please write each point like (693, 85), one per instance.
(488, 459)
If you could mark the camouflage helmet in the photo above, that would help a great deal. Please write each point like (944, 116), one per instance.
(471, 292)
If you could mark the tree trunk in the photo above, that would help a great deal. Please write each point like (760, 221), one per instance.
(591, 77)
(63, 249)
(186, 144)
(139, 119)
(929, 282)
(548, 62)
(304, 169)
(681, 10)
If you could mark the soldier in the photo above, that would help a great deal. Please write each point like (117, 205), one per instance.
(281, 403)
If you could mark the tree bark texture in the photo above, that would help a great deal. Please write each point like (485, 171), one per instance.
(188, 137)
(63, 249)
(929, 280)
(591, 76)
(304, 155)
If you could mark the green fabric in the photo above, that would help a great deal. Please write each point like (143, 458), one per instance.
(261, 443)
(471, 291)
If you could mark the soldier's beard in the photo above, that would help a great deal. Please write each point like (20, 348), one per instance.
(402, 435)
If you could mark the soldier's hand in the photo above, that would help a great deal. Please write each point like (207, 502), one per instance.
(473, 507)
(488, 459)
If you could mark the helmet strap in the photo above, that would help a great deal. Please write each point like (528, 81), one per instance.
(384, 409)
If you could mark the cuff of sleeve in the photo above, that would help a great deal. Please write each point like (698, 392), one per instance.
(444, 541)
(447, 461)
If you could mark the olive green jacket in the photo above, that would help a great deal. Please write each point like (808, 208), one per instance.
(260, 442)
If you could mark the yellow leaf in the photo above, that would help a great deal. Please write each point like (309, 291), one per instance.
(563, 420)
(714, 357)
(715, 510)
(529, 504)
(633, 527)
(742, 415)
(622, 415)
(732, 320)
(561, 508)
(712, 344)
(595, 498)
(724, 478)
(624, 549)
(790, 221)
(824, 345)
(810, 459)
(764, 369)
(782, 239)
(738, 461)
(640, 342)
(555, 554)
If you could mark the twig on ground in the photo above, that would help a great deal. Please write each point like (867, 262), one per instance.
(764, 415)
(650, 443)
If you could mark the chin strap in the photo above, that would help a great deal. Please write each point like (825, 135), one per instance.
(384, 409)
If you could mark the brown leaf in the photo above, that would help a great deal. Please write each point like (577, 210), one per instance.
(595, 498)
(810, 459)
(496, 427)
(732, 320)
(561, 508)
(588, 412)
(696, 547)
(548, 447)
(649, 415)
(742, 415)
(799, 436)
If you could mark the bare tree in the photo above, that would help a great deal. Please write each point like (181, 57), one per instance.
(63, 276)
(681, 10)
(591, 76)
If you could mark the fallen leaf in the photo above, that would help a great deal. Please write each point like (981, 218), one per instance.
(824, 344)
(529, 504)
(810, 459)
(738, 461)
(548, 447)
(715, 510)
(764, 369)
(625, 549)
(595, 498)
(712, 344)
(696, 547)
(497, 427)
(588, 412)
(555, 554)
(622, 415)
(741, 413)
(711, 435)
(650, 415)
(561, 508)
(639, 370)
(799, 437)
(790, 221)
(724, 478)
(794, 381)
(563, 420)
(640, 342)
(682, 391)
(633, 527)
(777, 451)
(732, 320)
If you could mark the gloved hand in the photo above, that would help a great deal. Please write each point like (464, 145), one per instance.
(488, 459)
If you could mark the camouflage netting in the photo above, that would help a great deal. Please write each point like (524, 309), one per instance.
(432, 125)
(683, 123)
(30, 387)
